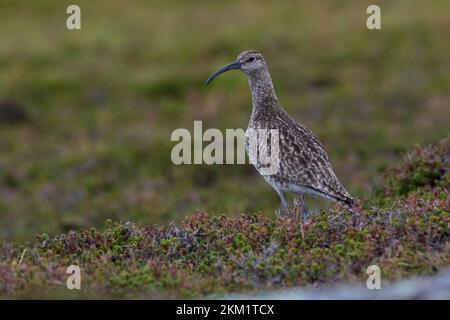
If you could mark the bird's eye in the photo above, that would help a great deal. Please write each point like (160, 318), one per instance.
(251, 59)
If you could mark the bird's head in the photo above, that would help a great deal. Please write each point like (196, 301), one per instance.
(249, 62)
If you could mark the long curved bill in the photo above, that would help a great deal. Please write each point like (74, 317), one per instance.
(231, 66)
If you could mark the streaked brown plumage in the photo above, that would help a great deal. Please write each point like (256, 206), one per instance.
(304, 166)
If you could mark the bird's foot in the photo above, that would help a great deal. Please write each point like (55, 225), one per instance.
(304, 214)
(300, 209)
(283, 212)
(279, 213)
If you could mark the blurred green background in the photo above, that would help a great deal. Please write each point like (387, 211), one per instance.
(86, 116)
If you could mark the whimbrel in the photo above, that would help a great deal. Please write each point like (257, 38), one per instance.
(304, 167)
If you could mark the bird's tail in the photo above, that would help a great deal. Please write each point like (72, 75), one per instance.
(349, 203)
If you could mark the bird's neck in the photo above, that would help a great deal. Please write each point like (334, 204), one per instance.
(263, 92)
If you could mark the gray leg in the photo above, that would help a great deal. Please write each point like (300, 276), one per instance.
(284, 206)
(304, 209)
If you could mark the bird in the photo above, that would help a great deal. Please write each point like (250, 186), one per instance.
(304, 167)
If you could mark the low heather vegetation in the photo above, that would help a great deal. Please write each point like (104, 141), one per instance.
(403, 227)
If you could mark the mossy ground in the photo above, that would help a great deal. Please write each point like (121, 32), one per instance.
(408, 235)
